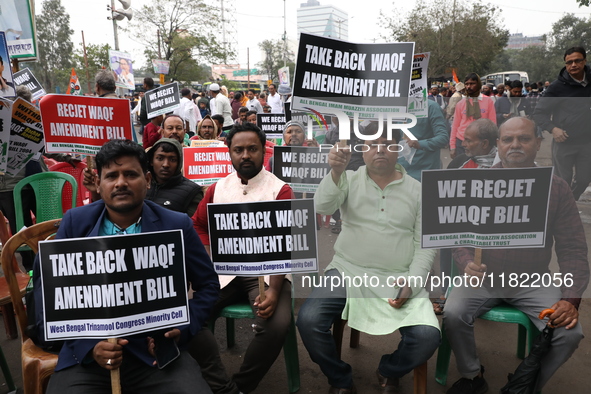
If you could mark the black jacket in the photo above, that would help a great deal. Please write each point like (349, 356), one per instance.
(177, 193)
(567, 104)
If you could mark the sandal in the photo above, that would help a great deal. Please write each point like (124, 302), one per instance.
(337, 228)
(438, 305)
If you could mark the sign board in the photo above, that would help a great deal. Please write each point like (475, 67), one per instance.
(5, 123)
(17, 21)
(271, 124)
(161, 66)
(284, 76)
(81, 124)
(26, 78)
(113, 286)
(6, 80)
(26, 136)
(206, 166)
(485, 208)
(122, 66)
(162, 100)
(260, 238)
(207, 143)
(367, 79)
(417, 104)
(302, 167)
(319, 124)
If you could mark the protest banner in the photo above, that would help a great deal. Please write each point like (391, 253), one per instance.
(5, 122)
(80, 124)
(367, 79)
(300, 166)
(26, 78)
(271, 124)
(26, 136)
(259, 238)
(162, 100)
(284, 76)
(16, 19)
(123, 67)
(485, 208)
(101, 287)
(6, 80)
(206, 166)
(417, 103)
(161, 66)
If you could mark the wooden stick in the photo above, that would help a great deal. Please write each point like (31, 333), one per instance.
(477, 256)
(89, 163)
(262, 288)
(115, 375)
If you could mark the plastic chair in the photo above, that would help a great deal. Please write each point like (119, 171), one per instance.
(48, 188)
(268, 152)
(420, 372)
(6, 305)
(503, 313)
(78, 173)
(22, 278)
(37, 365)
(290, 347)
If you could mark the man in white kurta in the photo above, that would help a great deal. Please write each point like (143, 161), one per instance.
(379, 246)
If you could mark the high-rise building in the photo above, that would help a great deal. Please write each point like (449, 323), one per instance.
(323, 20)
(519, 41)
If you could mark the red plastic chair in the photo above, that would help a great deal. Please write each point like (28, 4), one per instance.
(268, 152)
(78, 173)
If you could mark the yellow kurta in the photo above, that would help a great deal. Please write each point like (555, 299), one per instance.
(380, 237)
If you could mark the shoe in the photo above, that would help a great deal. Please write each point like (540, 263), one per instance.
(470, 386)
(337, 228)
(336, 390)
(438, 305)
(388, 385)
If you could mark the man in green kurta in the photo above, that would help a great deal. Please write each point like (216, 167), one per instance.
(377, 274)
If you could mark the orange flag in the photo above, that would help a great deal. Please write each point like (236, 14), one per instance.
(453, 72)
(74, 85)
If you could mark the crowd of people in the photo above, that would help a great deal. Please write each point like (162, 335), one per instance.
(374, 197)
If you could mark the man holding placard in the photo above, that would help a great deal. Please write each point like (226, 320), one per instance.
(83, 364)
(250, 183)
(377, 253)
(517, 147)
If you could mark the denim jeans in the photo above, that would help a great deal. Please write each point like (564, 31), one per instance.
(315, 319)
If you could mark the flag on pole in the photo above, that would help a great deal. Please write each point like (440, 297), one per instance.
(74, 85)
(453, 72)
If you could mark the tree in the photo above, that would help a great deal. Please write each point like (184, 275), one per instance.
(182, 32)
(97, 56)
(55, 46)
(274, 58)
(459, 34)
(567, 32)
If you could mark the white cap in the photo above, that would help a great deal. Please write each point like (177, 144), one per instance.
(215, 87)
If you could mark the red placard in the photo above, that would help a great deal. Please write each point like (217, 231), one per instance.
(206, 166)
(78, 124)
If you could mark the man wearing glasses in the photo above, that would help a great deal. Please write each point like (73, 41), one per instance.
(565, 111)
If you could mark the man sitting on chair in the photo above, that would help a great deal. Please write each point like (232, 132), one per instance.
(83, 365)
(517, 146)
(380, 238)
